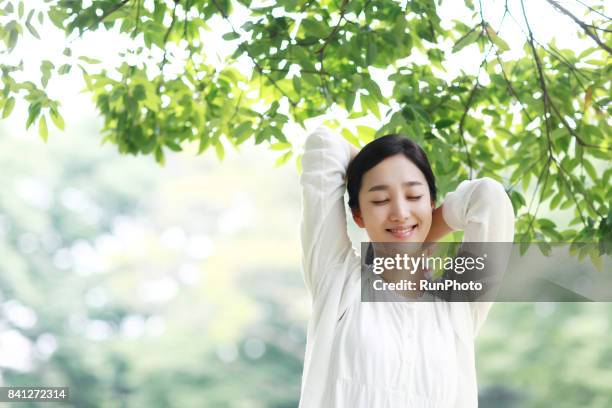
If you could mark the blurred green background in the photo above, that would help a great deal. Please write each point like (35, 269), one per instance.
(141, 286)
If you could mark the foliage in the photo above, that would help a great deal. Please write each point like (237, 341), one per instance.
(531, 354)
(540, 118)
(88, 261)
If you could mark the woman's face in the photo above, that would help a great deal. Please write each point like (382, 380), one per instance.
(394, 202)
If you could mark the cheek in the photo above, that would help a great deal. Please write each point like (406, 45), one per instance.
(373, 215)
(426, 213)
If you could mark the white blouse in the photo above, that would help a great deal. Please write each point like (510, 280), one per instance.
(385, 354)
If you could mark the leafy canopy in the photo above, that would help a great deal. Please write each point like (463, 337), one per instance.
(538, 121)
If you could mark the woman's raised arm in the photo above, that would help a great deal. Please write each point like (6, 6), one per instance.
(439, 228)
(483, 210)
(325, 241)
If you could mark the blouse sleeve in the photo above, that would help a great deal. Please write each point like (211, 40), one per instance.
(482, 209)
(325, 241)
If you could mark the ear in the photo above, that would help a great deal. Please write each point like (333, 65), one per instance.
(357, 218)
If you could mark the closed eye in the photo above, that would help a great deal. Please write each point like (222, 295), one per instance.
(378, 202)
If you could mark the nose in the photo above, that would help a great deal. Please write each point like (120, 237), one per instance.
(399, 211)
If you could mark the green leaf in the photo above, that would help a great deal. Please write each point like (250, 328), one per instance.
(546, 223)
(517, 200)
(556, 200)
(366, 133)
(173, 145)
(283, 159)
(32, 30)
(232, 35)
(219, 150)
(596, 259)
(566, 204)
(43, 131)
(298, 163)
(470, 38)
(45, 68)
(297, 84)
(33, 112)
(242, 132)
(57, 119)
(350, 137)
(20, 9)
(277, 133)
(64, 69)
(444, 123)
(159, 155)
(355, 115)
(46, 65)
(12, 38)
(495, 39)
(349, 100)
(89, 60)
(370, 104)
(590, 169)
(204, 142)
(8, 107)
(315, 28)
(544, 248)
(373, 89)
(280, 146)
(57, 17)
(371, 51)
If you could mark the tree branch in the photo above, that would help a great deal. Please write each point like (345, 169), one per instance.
(260, 69)
(531, 166)
(499, 61)
(569, 187)
(321, 53)
(541, 79)
(305, 71)
(575, 71)
(572, 132)
(137, 25)
(462, 123)
(593, 10)
(547, 114)
(535, 192)
(548, 103)
(582, 25)
(166, 36)
(102, 18)
(187, 8)
(327, 39)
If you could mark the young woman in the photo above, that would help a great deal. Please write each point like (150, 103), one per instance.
(387, 354)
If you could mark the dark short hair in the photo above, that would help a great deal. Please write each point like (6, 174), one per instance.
(378, 150)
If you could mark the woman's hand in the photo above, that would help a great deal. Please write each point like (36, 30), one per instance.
(439, 229)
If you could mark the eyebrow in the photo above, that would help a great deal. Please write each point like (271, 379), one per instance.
(386, 187)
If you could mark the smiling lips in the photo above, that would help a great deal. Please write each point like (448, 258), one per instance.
(402, 232)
